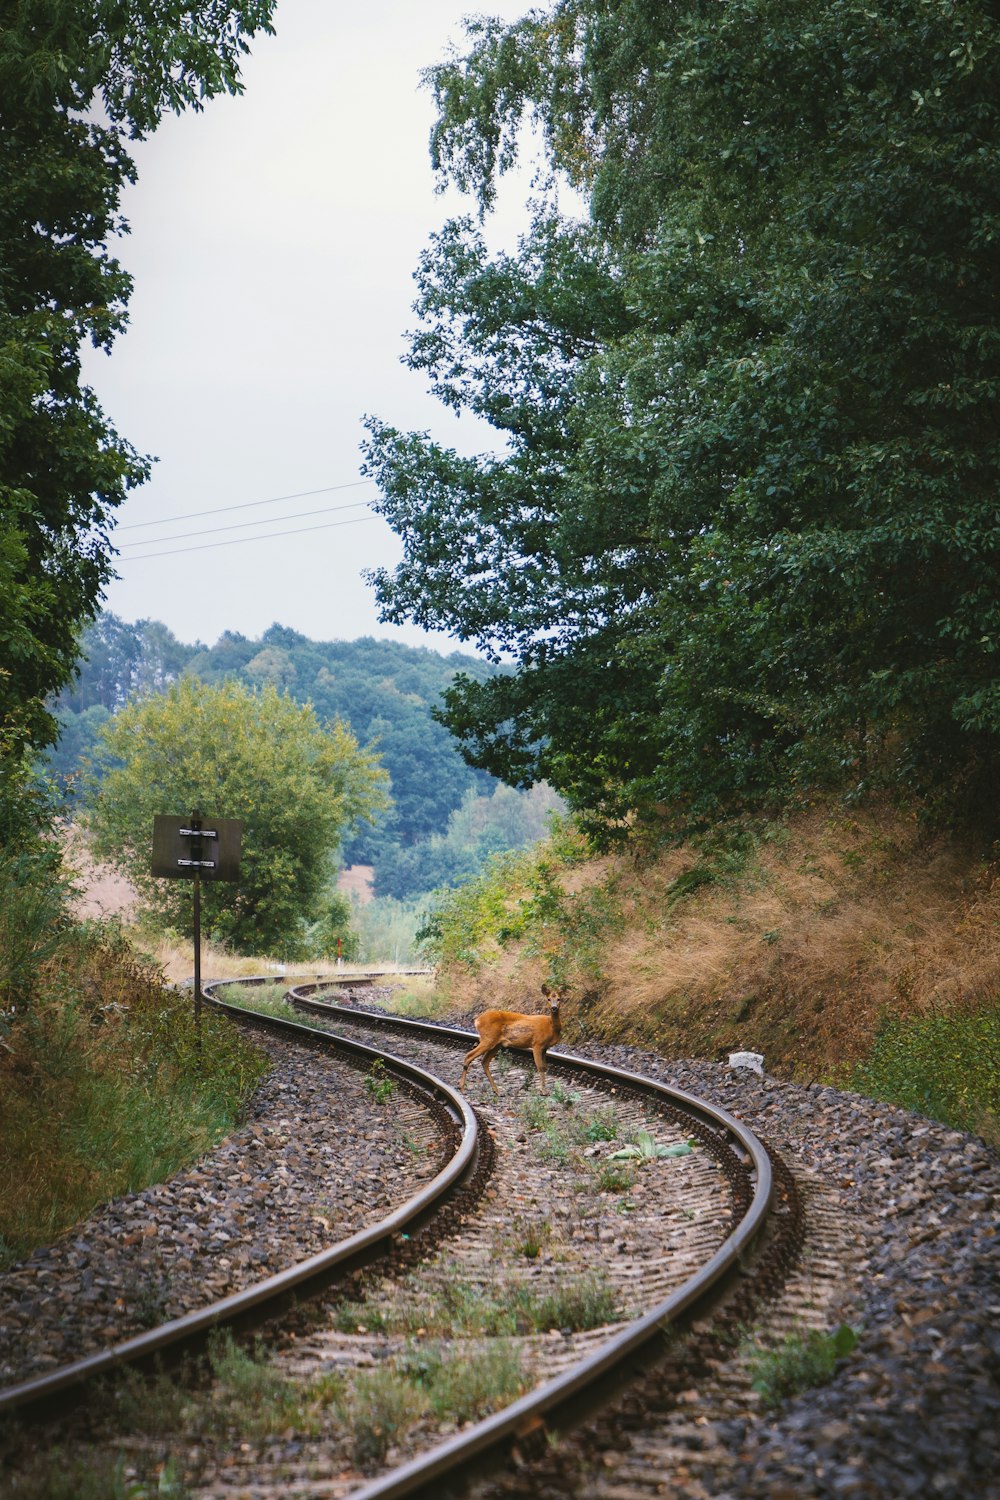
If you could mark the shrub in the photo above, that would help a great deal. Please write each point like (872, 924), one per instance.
(106, 1086)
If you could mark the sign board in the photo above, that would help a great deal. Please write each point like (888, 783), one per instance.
(197, 846)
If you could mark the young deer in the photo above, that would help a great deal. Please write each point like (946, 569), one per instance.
(509, 1028)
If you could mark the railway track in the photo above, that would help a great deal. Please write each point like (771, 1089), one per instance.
(667, 1238)
(562, 1262)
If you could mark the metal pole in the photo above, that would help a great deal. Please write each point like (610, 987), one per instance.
(197, 964)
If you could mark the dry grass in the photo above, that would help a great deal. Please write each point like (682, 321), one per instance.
(834, 921)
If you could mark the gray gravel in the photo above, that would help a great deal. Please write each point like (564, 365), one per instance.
(312, 1164)
(915, 1411)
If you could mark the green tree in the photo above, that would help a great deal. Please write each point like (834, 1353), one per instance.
(741, 533)
(296, 785)
(78, 80)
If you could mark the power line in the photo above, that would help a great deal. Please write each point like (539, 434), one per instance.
(236, 540)
(151, 541)
(246, 505)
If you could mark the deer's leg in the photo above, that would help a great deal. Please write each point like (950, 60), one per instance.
(538, 1053)
(470, 1057)
(491, 1052)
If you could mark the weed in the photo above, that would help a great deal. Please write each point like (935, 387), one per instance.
(530, 1236)
(378, 1083)
(104, 1088)
(537, 1115)
(602, 1126)
(612, 1178)
(249, 1393)
(146, 1299)
(586, 1302)
(269, 998)
(457, 1308)
(467, 1386)
(378, 1410)
(802, 1360)
(566, 1097)
(55, 1475)
(644, 1148)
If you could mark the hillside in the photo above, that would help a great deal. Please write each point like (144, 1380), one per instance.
(795, 939)
(385, 691)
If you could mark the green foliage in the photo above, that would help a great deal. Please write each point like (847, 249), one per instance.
(105, 1086)
(603, 1125)
(380, 1086)
(738, 530)
(378, 1410)
(58, 1475)
(529, 1237)
(331, 935)
(610, 1178)
(521, 898)
(297, 787)
(33, 922)
(480, 827)
(444, 817)
(379, 1407)
(386, 930)
(945, 1065)
(76, 81)
(801, 1361)
(550, 1136)
(644, 1148)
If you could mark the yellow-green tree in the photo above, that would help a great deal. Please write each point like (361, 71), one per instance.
(298, 786)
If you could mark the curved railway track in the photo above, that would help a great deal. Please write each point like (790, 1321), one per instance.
(457, 1132)
(716, 1225)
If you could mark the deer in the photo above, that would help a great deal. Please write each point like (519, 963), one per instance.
(511, 1028)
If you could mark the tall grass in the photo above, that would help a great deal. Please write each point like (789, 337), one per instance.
(104, 1086)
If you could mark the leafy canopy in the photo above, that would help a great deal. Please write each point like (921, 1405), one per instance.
(741, 529)
(297, 786)
(78, 80)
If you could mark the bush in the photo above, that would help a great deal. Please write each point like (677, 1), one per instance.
(106, 1086)
(33, 919)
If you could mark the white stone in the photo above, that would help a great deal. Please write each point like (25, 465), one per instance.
(752, 1060)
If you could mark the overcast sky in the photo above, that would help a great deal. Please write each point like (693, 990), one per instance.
(274, 240)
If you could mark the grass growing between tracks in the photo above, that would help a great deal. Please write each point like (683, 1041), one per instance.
(460, 1308)
(104, 1087)
(248, 1400)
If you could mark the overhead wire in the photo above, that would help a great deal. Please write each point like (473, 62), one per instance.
(245, 505)
(236, 540)
(152, 541)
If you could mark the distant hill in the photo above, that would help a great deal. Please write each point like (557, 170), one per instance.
(384, 690)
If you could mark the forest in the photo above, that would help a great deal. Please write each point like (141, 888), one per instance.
(443, 818)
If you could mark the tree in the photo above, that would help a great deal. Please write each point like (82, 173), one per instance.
(78, 80)
(741, 532)
(297, 786)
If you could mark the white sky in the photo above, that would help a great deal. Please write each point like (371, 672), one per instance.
(274, 240)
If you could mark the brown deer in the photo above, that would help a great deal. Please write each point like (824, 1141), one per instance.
(509, 1028)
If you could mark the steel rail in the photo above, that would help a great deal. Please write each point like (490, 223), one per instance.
(256, 1302)
(556, 1396)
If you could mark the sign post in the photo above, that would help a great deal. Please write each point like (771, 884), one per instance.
(196, 848)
